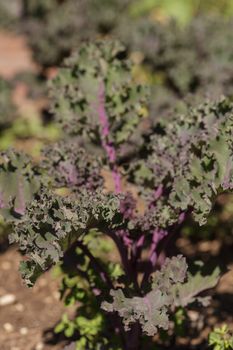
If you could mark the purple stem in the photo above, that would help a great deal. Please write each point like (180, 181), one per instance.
(181, 218)
(140, 242)
(158, 235)
(157, 194)
(107, 145)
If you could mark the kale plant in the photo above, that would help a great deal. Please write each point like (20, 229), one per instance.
(87, 190)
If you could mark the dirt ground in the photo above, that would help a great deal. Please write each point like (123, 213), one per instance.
(216, 252)
(25, 322)
(15, 56)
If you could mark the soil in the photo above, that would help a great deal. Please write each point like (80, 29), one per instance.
(15, 56)
(216, 252)
(25, 323)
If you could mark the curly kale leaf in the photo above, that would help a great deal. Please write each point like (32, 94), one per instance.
(171, 287)
(207, 167)
(70, 166)
(93, 82)
(191, 160)
(52, 223)
(19, 180)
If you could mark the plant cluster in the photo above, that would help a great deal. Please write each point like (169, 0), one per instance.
(10, 13)
(72, 22)
(221, 338)
(181, 10)
(63, 208)
(57, 27)
(195, 60)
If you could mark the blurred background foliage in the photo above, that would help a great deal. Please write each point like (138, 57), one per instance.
(181, 10)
